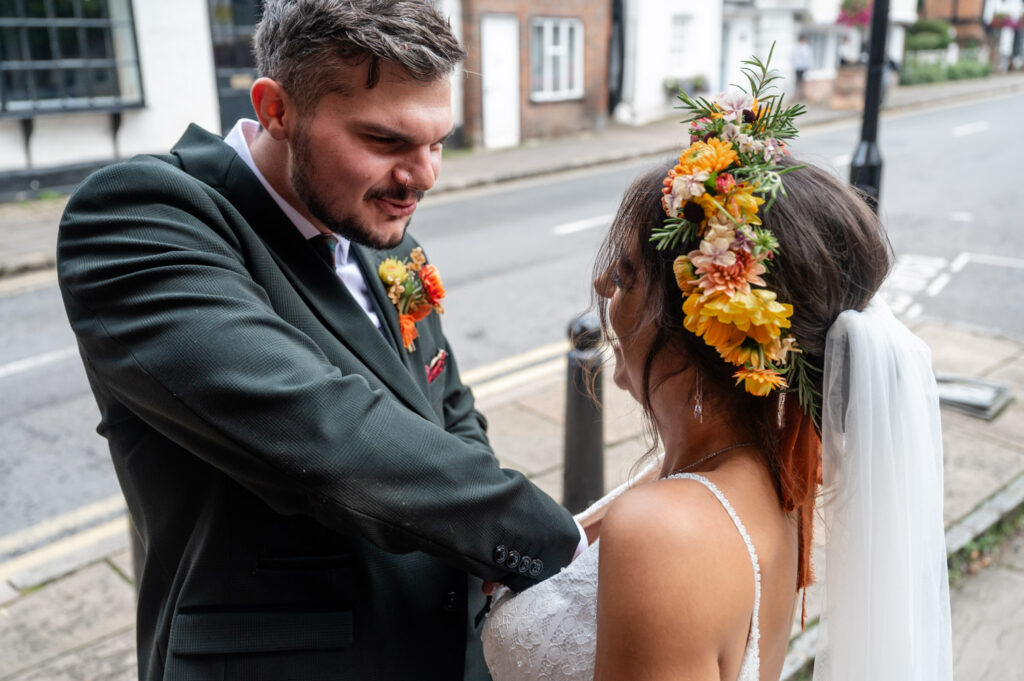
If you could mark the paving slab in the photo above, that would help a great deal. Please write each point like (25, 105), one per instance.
(988, 622)
(523, 440)
(122, 562)
(976, 467)
(8, 593)
(948, 342)
(111, 658)
(66, 615)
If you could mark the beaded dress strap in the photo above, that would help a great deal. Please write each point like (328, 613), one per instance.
(755, 631)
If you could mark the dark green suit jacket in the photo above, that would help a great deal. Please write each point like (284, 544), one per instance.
(309, 505)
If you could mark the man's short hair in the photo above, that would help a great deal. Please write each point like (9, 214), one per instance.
(302, 44)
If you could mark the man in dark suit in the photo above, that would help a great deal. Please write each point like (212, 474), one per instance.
(313, 500)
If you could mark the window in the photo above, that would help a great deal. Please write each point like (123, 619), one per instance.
(67, 55)
(679, 58)
(556, 59)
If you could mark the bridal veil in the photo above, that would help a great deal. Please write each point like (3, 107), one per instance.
(886, 613)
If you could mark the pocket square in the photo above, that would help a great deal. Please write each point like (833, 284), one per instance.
(436, 365)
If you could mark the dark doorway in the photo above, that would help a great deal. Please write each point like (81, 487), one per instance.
(231, 27)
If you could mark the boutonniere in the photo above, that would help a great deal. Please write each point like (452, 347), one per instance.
(416, 290)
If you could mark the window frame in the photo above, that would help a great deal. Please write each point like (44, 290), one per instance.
(121, 67)
(549, 52)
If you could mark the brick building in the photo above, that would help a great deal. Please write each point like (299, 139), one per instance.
(536, 68)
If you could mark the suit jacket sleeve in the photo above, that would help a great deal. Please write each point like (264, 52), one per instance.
(172, 324)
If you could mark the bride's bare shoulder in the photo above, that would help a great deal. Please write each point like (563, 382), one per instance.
(675, 576)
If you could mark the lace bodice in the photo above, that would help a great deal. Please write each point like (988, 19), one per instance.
(549, 631)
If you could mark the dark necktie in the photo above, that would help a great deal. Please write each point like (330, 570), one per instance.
(324, 245)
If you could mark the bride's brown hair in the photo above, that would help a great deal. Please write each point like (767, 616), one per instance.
(833, 256)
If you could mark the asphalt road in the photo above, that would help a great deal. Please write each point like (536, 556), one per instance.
(517, 260)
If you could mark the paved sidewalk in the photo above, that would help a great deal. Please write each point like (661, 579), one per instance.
(66, 610)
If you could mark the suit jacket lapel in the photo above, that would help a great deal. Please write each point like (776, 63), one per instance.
(201, 152)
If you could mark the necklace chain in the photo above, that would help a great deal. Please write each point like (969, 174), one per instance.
(713, 455)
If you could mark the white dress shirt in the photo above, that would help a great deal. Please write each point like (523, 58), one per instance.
(239, 139)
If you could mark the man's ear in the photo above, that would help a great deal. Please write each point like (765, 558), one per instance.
(273, 107)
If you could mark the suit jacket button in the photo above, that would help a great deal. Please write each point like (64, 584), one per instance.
(513, 559)
(536, 567)
(500, 554)
(450, 601)
(524, 565)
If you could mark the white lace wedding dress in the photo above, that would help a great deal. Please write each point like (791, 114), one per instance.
(549, 631)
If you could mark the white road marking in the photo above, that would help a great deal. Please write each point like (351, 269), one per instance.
(843, 160)
(30, 363)
(996, 260)
(583, 225)
(938, 284)
(961, 216)
(959, 262)
(970, 128)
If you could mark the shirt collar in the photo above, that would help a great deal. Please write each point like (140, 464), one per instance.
(239, 139)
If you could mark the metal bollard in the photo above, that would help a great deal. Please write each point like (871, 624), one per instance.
(583, 477)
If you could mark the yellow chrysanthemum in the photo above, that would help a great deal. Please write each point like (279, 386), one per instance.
(711, 156)
(391, 271)
(760, 382)
(720, 316)
(701, 320)
(740, 355)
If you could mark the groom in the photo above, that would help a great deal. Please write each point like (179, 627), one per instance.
(313, 499)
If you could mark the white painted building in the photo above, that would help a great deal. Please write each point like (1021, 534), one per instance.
(667, 43)
(126, 82)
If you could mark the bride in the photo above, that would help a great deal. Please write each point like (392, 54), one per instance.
(747, 328)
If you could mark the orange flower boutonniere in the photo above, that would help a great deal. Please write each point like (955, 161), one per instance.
(416, 290)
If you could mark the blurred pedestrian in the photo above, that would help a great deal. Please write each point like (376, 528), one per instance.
(803, 61)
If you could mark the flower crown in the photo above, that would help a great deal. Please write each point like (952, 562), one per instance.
(713, 198)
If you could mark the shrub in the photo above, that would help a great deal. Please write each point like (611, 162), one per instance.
(967, 69)
(929, 34)
(917, 74)
(926, 41)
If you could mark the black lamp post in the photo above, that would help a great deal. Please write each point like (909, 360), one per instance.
(866, 167)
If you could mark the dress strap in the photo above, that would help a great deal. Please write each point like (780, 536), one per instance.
(753, 646)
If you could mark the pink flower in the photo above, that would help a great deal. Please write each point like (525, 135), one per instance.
(712, 253)
(724, 183)
(732, 104)
(734, 278)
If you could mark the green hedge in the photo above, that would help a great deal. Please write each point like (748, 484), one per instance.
(929, 34)
(916, 74)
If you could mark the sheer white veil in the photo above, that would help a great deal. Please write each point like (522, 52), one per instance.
(886, 610)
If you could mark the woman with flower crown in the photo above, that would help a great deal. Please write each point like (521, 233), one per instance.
(740, 290)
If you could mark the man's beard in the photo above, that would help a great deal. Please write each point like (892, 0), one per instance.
(348, 226)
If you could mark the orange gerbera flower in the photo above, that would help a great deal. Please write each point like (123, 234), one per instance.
(432, 286)
(710, 157)
(760, 382)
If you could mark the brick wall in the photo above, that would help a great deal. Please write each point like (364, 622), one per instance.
(541, 119)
